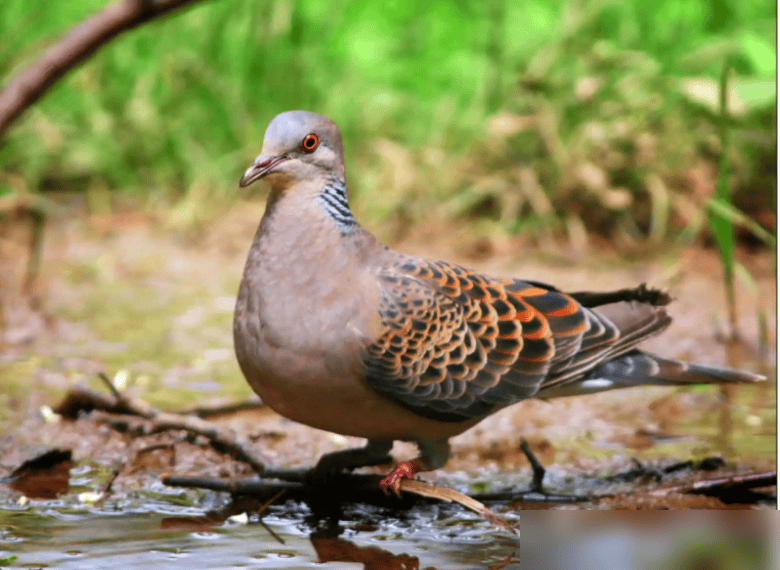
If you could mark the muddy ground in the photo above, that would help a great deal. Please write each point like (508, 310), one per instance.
(152, 308)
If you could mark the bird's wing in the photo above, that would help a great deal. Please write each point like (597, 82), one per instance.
(456, 345)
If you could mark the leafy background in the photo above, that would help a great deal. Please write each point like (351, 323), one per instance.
(564, 120)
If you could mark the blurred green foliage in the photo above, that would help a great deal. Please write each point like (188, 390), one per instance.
(562, 114)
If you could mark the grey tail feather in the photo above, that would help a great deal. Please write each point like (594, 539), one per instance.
(637, 368)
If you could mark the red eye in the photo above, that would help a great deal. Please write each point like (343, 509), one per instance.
(310, 142)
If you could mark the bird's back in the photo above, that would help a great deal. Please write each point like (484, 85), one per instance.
(456, 344)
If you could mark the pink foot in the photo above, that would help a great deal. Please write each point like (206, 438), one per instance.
(405, 469)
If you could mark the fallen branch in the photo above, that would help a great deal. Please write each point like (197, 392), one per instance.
(210, 411)
(357, 488)
(80, 399)
(224, 441)
(450, 495)
(325, 495)
(727, 488)
(254, 487)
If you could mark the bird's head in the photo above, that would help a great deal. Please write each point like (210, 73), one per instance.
(297, 146)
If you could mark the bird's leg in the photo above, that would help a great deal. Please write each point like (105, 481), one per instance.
(433, 454)
(376, 452)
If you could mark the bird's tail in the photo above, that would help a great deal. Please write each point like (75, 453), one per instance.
(638, 368)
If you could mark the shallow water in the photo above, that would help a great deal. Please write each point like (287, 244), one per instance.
(53, 538)
(161, 535)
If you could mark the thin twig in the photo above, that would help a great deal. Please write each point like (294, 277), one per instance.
(80, 398)
(263, 508)
(302, 484)
(450, 495)
(222, 440)
(107, 381)
(111, 479)
(278, 538)
(734, 484)
(224, 409)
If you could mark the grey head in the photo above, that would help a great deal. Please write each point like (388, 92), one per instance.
(298, 146)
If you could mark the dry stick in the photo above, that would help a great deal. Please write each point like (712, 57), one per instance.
(222, 440)
(208, 411)
(359, 488)
(263, 508)
(451, 495)
(114, 474)
(157, 421)
(107, 381)
(278, 538)
(82, 399)
(78, 44)
(252, 487)
(721, 486)
(352, 487)
(504, 563)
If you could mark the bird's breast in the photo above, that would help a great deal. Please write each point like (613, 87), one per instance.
(305, 310)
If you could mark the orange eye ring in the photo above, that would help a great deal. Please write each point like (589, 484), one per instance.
(310, 143)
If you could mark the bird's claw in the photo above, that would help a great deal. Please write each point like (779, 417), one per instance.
(404, 470)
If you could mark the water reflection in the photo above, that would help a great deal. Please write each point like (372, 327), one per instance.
(434, 537)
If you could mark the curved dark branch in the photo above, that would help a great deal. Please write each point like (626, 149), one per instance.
(78, 44)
